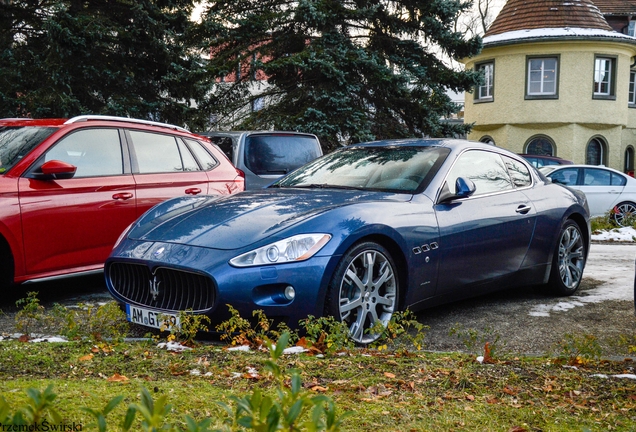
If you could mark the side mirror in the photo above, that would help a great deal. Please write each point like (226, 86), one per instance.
(464, 187)
(55, 170)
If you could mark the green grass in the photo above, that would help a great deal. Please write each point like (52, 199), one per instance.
(383, 390)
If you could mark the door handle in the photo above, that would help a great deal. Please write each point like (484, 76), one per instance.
(193, 191)
(123, 196)
(523, 209)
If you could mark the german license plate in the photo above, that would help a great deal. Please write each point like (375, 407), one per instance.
(149, 318)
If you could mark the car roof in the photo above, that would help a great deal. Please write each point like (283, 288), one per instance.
(52, 122)
(60, 122)
(452, 143)
(237, 134)
(560, 167)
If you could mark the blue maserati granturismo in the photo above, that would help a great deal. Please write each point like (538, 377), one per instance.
(358, 234)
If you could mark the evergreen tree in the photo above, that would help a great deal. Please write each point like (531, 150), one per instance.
(60, 58)
(346, 70)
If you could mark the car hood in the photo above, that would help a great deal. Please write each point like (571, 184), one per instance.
(239, 220)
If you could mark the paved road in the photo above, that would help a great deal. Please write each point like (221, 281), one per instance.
(528, 321)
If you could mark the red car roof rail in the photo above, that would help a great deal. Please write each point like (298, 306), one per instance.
(83, 118)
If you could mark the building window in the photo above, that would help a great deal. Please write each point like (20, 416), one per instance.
(631, 30)
(542, 78)
(540, 145)
(485, 89)
(632, 88)
(604, 77)
(487, 140)
(629, 161)
(596, 152)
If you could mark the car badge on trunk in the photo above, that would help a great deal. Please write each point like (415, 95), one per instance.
(154, 287)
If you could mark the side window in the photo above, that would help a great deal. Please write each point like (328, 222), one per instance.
(156, 153)
(485, 169)
(225, 144)
(189, 163)
(203, 156)
(597, 177)
(566, 176)
(618, 180)
(519, 173)
(95, 152)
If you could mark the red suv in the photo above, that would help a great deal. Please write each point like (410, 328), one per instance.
(69, 188)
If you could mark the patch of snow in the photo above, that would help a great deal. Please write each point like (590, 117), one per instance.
(49, 339)
(294, 350)
(173, 346)
(244, 348)
(625, 234)
(555, 33)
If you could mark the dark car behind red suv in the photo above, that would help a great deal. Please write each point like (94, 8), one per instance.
(69, 188)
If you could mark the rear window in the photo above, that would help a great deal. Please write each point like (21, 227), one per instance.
(16, 142)
(279, 154)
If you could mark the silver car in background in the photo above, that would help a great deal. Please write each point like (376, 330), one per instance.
(264, 156)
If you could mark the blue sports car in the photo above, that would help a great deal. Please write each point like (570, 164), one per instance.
(358, 234)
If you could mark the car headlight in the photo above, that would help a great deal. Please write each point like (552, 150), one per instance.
(292, 249)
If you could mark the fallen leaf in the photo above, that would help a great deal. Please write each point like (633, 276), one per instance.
(118, 378)
(470, 397)
(319, 389)
(517, 429)
(389, 375)
(87, 357)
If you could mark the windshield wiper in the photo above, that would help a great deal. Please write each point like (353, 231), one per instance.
(325, 186)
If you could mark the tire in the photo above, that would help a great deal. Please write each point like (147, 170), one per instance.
(364, 290)
(568, 261)
(625, 213)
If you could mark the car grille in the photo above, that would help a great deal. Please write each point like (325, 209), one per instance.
(167, 289)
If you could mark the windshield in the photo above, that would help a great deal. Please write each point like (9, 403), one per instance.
(17, 141)
(392, 169)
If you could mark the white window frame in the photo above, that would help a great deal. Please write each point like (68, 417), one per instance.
(544, 73)
(631, 29)
(603, 76)
(485, 90)
(632, 88)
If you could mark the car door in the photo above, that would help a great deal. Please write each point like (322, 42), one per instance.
(74, 223)
(163, 168)
(602, 188)
(485, 236)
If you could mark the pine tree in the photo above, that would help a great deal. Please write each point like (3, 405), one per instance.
(60, 58)
(346, 70)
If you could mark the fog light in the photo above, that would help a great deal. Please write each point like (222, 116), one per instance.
(290, 292)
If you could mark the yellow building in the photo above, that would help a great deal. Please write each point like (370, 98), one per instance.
(558, 80)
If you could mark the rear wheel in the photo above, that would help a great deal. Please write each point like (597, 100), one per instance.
(568, 261)
(364, 291)
(624, 213)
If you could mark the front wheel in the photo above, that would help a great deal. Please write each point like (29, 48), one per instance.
(364, 291)
(568, 261)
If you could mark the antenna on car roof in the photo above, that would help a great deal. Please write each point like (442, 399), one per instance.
(83, 118)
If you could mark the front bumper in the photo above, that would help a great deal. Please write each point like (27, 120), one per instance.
(171, 278)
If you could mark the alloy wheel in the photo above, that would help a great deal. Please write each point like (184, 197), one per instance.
(368, 295)
(571, 257)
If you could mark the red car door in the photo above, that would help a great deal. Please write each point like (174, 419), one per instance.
(163, 168)
(73, 223)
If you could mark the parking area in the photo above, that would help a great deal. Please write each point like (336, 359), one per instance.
(520, 321)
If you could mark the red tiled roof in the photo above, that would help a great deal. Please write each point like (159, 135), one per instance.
(535, 14)
(616, 7)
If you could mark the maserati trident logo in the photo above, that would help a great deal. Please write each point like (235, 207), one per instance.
(154, 287)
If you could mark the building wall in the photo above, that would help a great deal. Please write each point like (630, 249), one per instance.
(570, 121)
